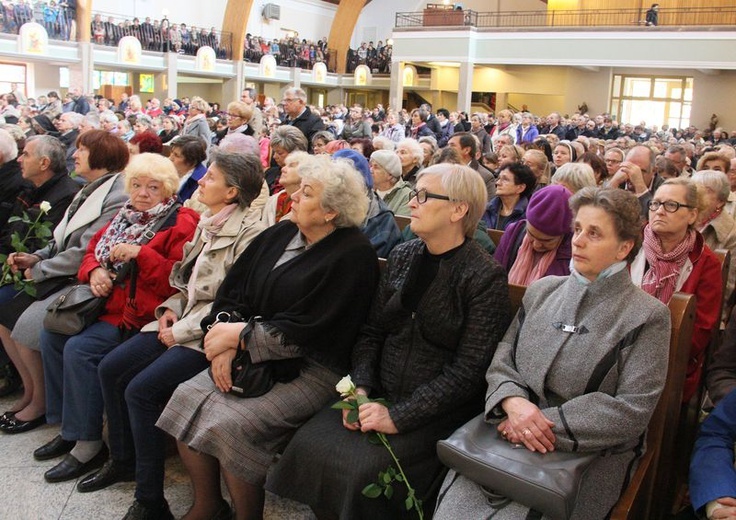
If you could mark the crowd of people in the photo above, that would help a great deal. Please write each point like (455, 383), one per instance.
(254, 230)
(56, 17)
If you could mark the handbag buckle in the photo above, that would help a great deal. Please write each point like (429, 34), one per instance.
(220, 317)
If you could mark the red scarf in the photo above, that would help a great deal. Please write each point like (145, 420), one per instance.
(283, 205)
(660, 280)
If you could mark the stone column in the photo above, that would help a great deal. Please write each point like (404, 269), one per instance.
(396, 90)
(465, 87)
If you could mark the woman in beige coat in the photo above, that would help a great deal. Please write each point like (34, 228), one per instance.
(139, 376)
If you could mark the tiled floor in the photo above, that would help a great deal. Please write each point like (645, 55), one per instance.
(26, 496)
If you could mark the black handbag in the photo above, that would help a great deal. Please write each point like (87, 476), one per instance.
(253, 379)
(548, 483)
(75, 309)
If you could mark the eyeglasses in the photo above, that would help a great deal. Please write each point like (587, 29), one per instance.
(612, 161)
(422, 196)
(288, 100)
(670, 206)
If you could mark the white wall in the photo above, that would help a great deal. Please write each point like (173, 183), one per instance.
(311, 18)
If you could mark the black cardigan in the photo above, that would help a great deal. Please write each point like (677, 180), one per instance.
(317, 300)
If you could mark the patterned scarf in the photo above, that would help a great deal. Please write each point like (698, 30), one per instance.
(212, 224)
(660, 280)
(525, 271)
(129, 227)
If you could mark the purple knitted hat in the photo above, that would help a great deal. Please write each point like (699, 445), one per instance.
(549, 211)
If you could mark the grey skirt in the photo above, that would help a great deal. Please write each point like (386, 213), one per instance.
(27, 330)
(245, 435)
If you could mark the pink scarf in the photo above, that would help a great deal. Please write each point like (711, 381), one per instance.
(525, 270)
(660, 280)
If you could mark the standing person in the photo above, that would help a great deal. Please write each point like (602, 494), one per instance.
(299, 115)
(196, 123)
(310, 282)
(439, 312)
(249, 97)
(81, 105)
(653, 16)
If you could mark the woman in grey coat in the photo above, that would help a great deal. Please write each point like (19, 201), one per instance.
(592, 384)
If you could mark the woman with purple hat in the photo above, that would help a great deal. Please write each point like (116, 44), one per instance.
(539, 245)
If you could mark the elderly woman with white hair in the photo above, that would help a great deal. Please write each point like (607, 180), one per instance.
(714, 223)
(387, 182)
(411, 156)
(574, 176)
(128, 262)
(303, 288)
(440, 310)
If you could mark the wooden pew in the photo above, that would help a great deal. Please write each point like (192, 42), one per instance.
(637, 501)
(402, 221)
(495, 235)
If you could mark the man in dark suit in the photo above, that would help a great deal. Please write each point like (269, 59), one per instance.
(299, 115)
(467, 144)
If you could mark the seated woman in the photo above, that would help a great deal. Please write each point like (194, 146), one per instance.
(387, 181)
(440, 310)
(188, 153)
(379, 225)
(539, 385)
(539, 245)
(564, 153)
(139, 376)
(411, 156)
(574, 176)
(539, 165)
(310, 283)
(674, 258)
(99, 159)
(514, 186)
(284, 140)
(714, 223)
(278, 205)
(238, 115)
(132, 271)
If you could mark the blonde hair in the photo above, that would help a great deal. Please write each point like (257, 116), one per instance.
(462, 184)
(343, 188)
(153, 166)
(240, 109)
(200, 104)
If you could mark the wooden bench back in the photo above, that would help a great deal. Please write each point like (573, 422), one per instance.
(495, 235)
(402, 221)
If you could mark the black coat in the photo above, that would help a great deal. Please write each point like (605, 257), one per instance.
(57, 191)
(11, 183)
(308, 123)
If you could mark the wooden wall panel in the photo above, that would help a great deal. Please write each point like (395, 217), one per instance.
(237, 13)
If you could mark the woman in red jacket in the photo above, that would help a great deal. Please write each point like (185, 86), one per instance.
(131, 268)
(673, 258)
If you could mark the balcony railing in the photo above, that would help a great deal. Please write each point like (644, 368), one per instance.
(56, 20)
(695, 16)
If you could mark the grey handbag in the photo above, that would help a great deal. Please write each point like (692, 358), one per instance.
(548, 483)
(75, 309)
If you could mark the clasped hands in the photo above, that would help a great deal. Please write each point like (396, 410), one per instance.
(371, 417)
(526, 424)
(220, 346)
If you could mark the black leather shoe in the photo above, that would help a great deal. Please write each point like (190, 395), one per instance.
(56, 448)
(139, 511)
(111, 472)
(15, 425)
(70, 468)
(5, 417)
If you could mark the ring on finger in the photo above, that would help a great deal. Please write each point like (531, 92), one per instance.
(526, 431)
(504, 434)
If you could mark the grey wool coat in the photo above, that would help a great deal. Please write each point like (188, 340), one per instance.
(598, 384)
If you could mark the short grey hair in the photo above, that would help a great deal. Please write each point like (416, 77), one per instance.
(462, 184)
(144, 120)
(243, 171)
(50, 147)
(296, 92)
(74, 119)
(384, 142)
(289, 138)
(575, 175)
(715, 180)
(343, 188)
(8, 146)
(413, 146)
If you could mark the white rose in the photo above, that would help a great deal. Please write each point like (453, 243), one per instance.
(345, 386)
(45, 206)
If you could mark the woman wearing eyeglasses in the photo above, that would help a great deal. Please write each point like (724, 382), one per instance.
(440, 310)
(674, 258)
